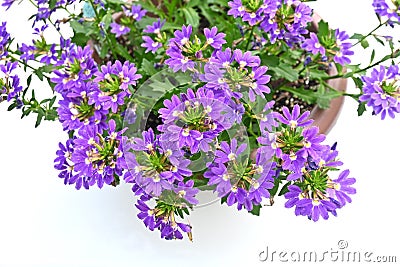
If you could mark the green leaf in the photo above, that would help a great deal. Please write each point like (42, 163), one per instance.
(107, 19)
(78, 27)
(357, 36)
(270, 61)
(38, 120)
(318, 74)
(256, 210)
(179, 212)
(148, 67)
(358, 82)
(191, 16)
(379, 40)
(122, 51)
(364, 43)
(323, 29)
(284, 189)
(12, 106)
(372, 56)
(286, 71)
(80, 39)
(306, 95)
(193, 3)
(361, 108)
(29, 80)
(117, 2)
(325, 95)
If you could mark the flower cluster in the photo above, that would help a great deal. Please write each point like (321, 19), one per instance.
(336, 46)
(10, 87)
(305, 161)
(135, 13)
(280, 20)
(239, 180)
(178, 97)
(155, 29)
(381, 91)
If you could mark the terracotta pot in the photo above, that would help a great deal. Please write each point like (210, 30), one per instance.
(325, 119)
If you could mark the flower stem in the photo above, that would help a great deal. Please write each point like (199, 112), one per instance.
(369, 34)
(105, 32)
(250, 37)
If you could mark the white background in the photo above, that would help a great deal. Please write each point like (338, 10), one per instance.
(44, 223)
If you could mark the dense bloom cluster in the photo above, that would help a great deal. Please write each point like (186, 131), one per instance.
(184, 50)
(241, 181)
(162, 217)
(90, 159)
(337, 47)
(175, 99)
(231, 73)
(283, 20)
(309, 164)
(194, 120)
(381, 91)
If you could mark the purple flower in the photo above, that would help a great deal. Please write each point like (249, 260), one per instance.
(229, 152)
(7, 3)
(258, 87)
(246, 59)
(267, 120)
(182, 51)
(228, 79)
(305, 206)
(63, 161)
(97, 158)
(241, 181)
(313, 45)
(155, 27)
(136, 12)
(127, 74)
(113, 78)
(150, 44)
(343, 46)
(179, 62)
(342, 188)
(28, 52)
(187, 192)
(218, 175)
(11, 86)
(181, 37)
(381, 91)
(146, 143)
(194, 120)
(237, 8)
(302, 14)
(119, 29)
(146, 214)
(214, 38)
(294, 119)
(51, 56)
(76, 110)
(312, 142)
(383, 9)
(4, 39)
(78, 66)
(156, 166)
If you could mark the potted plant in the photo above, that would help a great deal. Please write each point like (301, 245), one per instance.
(179, 98)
